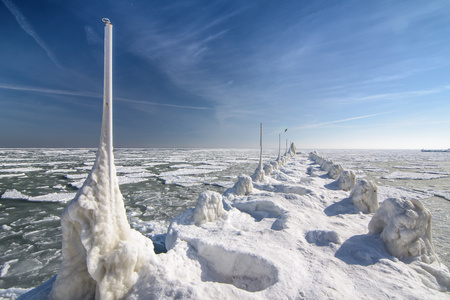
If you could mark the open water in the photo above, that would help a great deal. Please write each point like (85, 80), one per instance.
(158, 184)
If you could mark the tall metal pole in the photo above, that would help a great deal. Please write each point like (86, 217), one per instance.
(279, 146)
(260, 146)
(107, 97)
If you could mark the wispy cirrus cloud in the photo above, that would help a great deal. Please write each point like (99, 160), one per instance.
(92, 95)
(23, 23)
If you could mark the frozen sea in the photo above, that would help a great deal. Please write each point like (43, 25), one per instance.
(158, 184)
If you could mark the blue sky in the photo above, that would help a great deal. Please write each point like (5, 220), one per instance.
(337, 74)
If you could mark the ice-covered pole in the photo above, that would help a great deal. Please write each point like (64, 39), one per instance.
(260, 146)
(107, 93)
(279, 146)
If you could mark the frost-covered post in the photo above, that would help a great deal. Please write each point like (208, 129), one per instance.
(260, 146)
(259, 172)
(279, 147)
(107, 92)
(101, 255)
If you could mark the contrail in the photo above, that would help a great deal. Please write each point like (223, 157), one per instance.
(28, 29)
(346, 120)
(92, 95)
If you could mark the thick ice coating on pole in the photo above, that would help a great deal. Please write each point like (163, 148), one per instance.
(405, 228)
(209, 207)
(101, 254)
(243, 186)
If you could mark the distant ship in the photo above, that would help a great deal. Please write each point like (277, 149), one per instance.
(436, 150)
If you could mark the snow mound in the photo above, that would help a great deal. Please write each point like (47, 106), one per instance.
(311, 171)
(260, 209)
(246, 271)
(347, 180)
(209, 207)
(405, 228)
(322, 237)
(335, 171)
(364, 196)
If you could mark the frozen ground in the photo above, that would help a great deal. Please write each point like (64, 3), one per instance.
(293, 236)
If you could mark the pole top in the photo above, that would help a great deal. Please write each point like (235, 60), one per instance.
(106, 21)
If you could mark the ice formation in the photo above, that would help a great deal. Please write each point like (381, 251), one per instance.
(101, 254)
(259, 174)
(405, 228)
(268, 169)
(209, 207)
(276, 242)
(347, 180)
(364, 196)
(335, 171)
(242, 187)
(326, 165)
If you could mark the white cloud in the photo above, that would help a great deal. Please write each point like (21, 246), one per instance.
(28, 29)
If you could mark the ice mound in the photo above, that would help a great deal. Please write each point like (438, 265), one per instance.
(347, 180)
(326, 165)
(405, 228)
(259, 174)
(335, 171)
(242, 187)
(364, 196)
(268, 169)
(209, 207)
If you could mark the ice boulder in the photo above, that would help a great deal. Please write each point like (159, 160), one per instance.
(335, 171)
(242, 187)
(209, 207)
(347, 180)
(405, 227)
(364, 196)
(313, 156)
(326, 165)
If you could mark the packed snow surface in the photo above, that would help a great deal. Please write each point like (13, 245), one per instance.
(271, 243)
